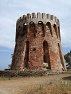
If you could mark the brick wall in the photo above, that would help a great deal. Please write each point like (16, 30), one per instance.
(38, 42)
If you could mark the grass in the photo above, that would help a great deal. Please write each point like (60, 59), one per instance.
(51, 84)
(64, 87)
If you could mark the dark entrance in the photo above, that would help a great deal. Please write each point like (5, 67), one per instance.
(46, 57)
(26, 58)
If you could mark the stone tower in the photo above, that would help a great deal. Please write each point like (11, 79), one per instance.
(38, 43)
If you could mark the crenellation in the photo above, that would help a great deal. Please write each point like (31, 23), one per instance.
(40, 43)
(24, 16)
(28, 16)
(58, 22)
(43, 16)
(33, 15)
(39, 15)
(55, 19)
(51, 17)
(20, 18)
(48, 16)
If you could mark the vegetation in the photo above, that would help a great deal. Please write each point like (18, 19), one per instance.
(53, 84)
(68, 59)
(62, 88)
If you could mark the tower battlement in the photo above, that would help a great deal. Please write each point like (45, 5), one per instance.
(38, 17)
(38, 43)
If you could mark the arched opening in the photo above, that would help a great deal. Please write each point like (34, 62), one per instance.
(59, 32)
(46, 57)
(55, 30)
(19, 29)
(26, 58)
(48, 27)
(24, 29)
(32, 26)
(60, 54)
(41, 27)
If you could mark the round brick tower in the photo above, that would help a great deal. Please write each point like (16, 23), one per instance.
(38, 43)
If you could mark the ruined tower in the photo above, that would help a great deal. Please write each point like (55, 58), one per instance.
(38, 43)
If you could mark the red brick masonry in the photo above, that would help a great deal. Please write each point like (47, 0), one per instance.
(38, 43)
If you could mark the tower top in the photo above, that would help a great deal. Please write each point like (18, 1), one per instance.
(36, 17)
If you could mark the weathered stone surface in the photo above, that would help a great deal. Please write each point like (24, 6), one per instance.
(38, 42)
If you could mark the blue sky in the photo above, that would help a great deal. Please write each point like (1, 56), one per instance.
(11, 10)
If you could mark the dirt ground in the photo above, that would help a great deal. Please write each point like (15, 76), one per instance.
(36, 85)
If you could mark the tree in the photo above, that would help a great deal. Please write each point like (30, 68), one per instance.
(68, 58)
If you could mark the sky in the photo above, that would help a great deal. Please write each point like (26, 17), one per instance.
(11, 10)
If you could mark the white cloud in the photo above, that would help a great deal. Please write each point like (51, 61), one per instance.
(7, 32)
(11, 10)
(66, 38)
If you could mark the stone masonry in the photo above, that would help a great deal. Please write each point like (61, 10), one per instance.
(38, 43)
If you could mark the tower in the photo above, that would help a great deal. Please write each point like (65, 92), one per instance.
(38, 43)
